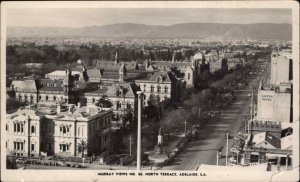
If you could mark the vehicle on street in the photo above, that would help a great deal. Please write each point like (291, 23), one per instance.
(20, 161)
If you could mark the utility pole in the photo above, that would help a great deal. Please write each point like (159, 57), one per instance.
(139, 139)
(130, 142)
(251, 112)
(226, 147)
(185, 127)
(217, 158)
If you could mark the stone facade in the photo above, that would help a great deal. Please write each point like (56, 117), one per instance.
(23, 133)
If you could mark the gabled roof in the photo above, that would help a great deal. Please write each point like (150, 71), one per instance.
(112, 66)
(62, 73)
(94, 73)
(287, 142)
(127, 90)
(163, 77)
(24, 85)
(23, 114)
(266, 140)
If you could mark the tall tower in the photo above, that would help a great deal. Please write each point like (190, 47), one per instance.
(67, 84)
(173, 58)
(83, 76)
(122, 72)
(116, 58)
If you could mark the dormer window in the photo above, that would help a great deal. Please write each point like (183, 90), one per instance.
(159, 79)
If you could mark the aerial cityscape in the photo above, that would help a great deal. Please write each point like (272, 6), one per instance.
(127, 95)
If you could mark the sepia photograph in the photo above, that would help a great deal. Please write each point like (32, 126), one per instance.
(154, 91)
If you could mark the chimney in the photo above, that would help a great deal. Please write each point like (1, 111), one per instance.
(70, 109)
(58, 109)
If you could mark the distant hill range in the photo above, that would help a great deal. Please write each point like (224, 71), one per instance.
(206, 31)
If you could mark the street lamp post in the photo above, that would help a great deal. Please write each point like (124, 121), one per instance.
(226, 147)
(139, 137)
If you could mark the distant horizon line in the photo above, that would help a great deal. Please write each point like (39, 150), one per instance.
(142, 24)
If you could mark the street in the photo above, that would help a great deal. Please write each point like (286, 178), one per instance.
(212, 135)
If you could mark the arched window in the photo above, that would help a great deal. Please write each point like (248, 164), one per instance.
(158, 89)
(152, 88)
(118, 105)
(31, 99)
(93, 100)
(20, 98)
(166, 89)
(40, 97)
(32, 129)
(47, 97)
(144, 87)
(18, 127)
(26, 98)
(54, 98)
(128, 105)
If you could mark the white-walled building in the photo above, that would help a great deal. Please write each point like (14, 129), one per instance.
(23, 133)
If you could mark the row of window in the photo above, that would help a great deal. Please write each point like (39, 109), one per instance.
(26, 99)
(98, 123)
(64, 147)
(18, 127)
(64, 129)
(18, 145)
(158, 88)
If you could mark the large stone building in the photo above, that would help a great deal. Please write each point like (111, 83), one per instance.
(62, 133)
(23, 133)
(281, 66)
(160, 86)
(274, 103)
(189, 69)
(69, 129)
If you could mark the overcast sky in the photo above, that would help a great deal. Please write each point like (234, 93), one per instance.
(89, 17)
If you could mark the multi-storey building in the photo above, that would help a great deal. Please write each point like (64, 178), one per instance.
(190, 69)
(281, 66)
(23, 133)
(30, 132)
(160, 86)
(274, 103)
(86, 127)
(233, 63)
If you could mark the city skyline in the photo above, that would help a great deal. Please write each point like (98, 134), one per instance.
(75, 17)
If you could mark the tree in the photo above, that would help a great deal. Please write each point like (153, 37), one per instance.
(104, 102)
(82, 147)
(127, 116)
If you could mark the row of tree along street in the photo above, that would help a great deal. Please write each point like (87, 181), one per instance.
(196, 105)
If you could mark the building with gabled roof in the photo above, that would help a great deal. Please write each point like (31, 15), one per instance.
(23, 133)
(64, 132)
(160, 86)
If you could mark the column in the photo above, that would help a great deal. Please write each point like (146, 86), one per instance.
(139, 134)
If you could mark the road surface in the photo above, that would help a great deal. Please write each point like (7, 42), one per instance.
(212, 136)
